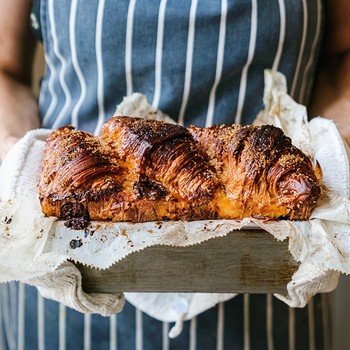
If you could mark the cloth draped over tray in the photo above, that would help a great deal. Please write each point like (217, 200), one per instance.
(36, 249)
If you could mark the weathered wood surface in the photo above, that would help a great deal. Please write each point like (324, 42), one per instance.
(246, 261)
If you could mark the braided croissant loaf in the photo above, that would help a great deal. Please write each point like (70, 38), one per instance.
(144, 170)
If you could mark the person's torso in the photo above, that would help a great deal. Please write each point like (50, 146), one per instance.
(200, 61)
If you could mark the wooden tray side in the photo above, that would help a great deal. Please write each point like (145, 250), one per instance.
(245, 261)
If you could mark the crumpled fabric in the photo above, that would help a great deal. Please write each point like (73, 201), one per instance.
(36, 249)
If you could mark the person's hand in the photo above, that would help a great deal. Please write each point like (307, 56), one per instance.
(18, 107)
(339, 111)
(331, 98)
(18, 112)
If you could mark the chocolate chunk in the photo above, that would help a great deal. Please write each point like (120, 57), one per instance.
(75, 243)
(77, 223)
(76, 216)
(71, 210)
(149, 190)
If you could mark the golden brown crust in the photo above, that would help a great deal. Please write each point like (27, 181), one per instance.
(161, 152)
(141, 170)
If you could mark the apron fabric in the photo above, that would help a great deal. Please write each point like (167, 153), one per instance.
(200, 61)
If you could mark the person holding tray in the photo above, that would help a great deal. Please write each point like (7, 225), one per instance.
(202, 63)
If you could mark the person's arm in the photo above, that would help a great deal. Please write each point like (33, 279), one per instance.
(331, 97)
(18, 107)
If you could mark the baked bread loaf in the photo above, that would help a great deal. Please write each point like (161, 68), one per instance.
(144, 170)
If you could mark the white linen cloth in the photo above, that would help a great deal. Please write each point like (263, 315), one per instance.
(35, 249)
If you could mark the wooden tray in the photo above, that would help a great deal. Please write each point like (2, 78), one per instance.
(245, 261)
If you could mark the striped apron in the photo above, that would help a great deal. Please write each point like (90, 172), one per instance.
(201, 62)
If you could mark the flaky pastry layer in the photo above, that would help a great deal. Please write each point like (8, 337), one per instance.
(144, 170)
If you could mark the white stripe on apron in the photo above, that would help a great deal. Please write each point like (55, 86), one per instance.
(244, 76)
